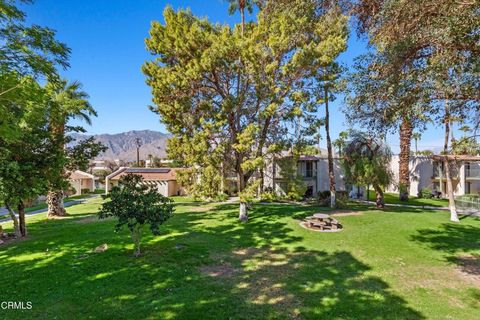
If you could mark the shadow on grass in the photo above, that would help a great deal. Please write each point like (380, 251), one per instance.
(206, 265)
(459, 243)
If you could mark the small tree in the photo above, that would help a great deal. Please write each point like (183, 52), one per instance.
(135, 205)
(367, 162)
(295, 187)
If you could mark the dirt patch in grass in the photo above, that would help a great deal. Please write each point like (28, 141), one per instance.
(219, 270)
(87, 220)
(260, 274)
(199, 209)
(11, 239)
(469, 269)
(245, 252)
(267, 270)
(66, 216)
(345, 213)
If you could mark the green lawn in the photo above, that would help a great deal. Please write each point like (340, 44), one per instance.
(395, 264)
(392, 198)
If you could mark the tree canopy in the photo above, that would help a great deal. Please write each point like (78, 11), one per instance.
(234, 96)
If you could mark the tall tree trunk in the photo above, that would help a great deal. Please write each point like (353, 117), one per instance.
(55, 204)
(11, 213)
(331, 174)
(406, 132)
(242, 13)
(262, 180)
(380, 201)
(21, 219)
(243, 212)
(222, 178)
(451, 199)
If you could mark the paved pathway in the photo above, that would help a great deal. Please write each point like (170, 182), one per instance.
(39, 211)
(473, 213)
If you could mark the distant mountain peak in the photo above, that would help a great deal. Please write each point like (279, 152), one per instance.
(123, 145)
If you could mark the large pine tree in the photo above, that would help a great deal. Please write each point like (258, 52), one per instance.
(239, 93)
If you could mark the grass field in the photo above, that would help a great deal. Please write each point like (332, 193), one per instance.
(393, 264)
(392, 198)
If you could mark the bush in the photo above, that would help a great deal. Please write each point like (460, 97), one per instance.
(425, 193)
(221, 197)
(341, 197)
(70, 191)
(85, 191)
(323, 198)
(268, 196)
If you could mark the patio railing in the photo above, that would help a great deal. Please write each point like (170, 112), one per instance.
(468, 202)
(472, 172)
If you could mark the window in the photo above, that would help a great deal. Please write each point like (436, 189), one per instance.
(309, 169)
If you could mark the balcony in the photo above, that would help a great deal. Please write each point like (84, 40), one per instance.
(472, 173)
(307, 174)
(453, 172)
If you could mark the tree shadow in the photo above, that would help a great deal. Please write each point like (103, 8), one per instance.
(205, 265)
(450, 238)
(458, 243)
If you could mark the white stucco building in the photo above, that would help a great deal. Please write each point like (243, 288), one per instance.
(425, 172)
(314, 172)
(429, 172)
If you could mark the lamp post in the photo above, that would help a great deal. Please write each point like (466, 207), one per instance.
(138, 143)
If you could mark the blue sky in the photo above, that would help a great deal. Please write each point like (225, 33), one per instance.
(107, 42)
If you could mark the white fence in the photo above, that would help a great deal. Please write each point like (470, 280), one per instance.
(468, 202)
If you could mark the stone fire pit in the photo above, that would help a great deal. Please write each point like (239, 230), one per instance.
(321, 222)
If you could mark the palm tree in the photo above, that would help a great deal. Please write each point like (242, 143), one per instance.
(465, 129)
(67, 101)
(366, 162)
(416, 136)
(241, 6)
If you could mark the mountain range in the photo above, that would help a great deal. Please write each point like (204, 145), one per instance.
(123, 145)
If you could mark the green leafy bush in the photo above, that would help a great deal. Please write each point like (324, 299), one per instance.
(221, 197)
(323, 198)
(425, 193)
(269, 196)
(342, 199)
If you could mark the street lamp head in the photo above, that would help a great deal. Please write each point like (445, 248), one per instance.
(138, 142)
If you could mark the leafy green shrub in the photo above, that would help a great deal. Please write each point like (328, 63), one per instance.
(85, 191)
(425, 193)
(323, 198)
(70, 191)
(269, 196)
(296, 192)
(342, 199)
(221, 197)
(136, 205)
